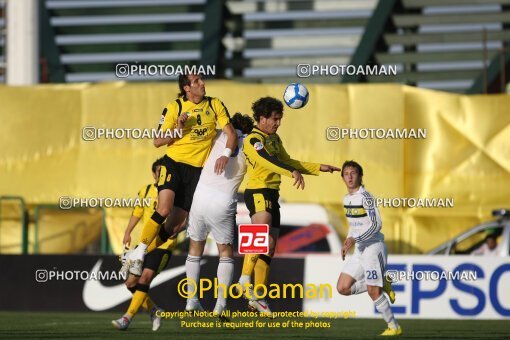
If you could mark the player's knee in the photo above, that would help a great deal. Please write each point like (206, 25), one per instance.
(146, 278)
(374, 292)
(195, 249)
(163, 210)
(225, 250)
(343, 289)
(131, 281)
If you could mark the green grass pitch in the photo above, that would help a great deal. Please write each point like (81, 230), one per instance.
(97, 325)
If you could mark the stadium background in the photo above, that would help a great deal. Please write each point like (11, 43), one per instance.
(59, 73)
(462, 157)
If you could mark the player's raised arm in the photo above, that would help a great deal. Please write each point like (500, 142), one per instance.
(306, 168)
(329, 168)
(231, 137)
(223, 118)
(222, 161)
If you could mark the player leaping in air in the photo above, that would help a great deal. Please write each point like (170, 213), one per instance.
(197, 116)
(214, 210)
(267, 161)
(365, 269)
(158, 255)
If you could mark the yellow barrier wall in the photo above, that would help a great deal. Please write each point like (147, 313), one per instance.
(466, 155)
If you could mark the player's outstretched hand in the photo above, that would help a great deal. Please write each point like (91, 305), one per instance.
(329, 168)
(299, 181)
(127, 240)
(220, 164)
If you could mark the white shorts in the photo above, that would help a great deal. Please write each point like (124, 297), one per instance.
(369, 263)
(212, 211)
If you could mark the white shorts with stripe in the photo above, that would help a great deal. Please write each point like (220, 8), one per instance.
(368, 263)
(212, 211)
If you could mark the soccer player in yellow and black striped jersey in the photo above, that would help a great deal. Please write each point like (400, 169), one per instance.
(267, 161)
(158, 255)
(196, 115)
(140, 212)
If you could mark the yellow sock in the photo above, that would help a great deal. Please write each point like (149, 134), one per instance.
(249, 264)
(262, 268)
(148, 304)
(150, 230)
(137, 299)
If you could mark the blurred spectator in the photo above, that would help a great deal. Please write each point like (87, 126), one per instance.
(489, 247)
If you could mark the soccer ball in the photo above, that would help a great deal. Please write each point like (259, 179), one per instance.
(295, 95)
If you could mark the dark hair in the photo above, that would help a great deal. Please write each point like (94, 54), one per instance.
(492, 236)
(265, 106)
(157, 162)
(183, 81)
(241, 122)
(354, 165)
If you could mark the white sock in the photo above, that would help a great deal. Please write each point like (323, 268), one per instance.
(244, 279)
(358, 287)
(383, 306)
(193, 273)
(225, 276)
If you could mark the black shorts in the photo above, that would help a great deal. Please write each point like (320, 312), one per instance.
(264, 199)
(157, 259)
(181, 178)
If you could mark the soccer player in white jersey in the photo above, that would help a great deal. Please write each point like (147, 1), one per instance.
(365, 269)
(214, 210)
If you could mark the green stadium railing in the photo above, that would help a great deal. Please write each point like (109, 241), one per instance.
(372, 39)
(213, 32)
(23, 219)
(104, 243)
(493, 73)
(52, 70)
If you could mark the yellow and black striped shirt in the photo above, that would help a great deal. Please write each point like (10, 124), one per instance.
(145, 213)
(267, 160)
(199, 130)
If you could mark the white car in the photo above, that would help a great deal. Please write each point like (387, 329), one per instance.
(304, 228)
(469, 241)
